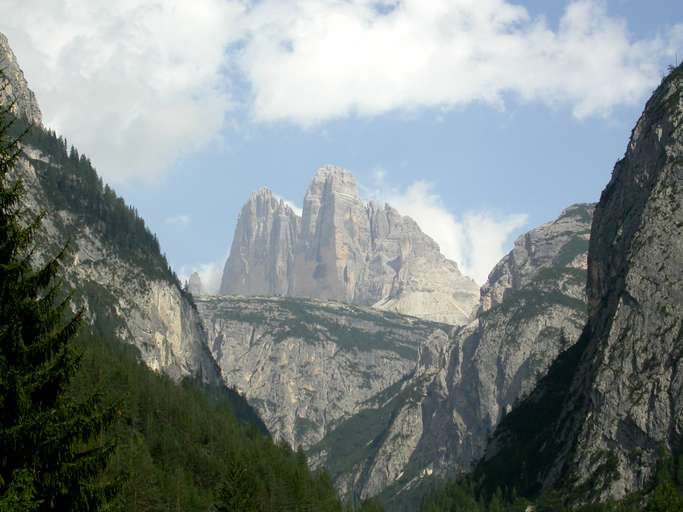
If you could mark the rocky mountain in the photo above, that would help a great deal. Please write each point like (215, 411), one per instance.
(611, 404)
(438, 422)
(342, 249)
(307, 365)
(117, 270)
(194, 285)
(261, 260)
(16, 91)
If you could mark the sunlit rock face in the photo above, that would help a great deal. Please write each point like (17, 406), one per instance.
(438, 420)
(17, 92)
(346, 250)
(308, 365)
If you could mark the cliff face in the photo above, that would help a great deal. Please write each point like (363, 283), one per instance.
(441, 417)
(16, 90)
(630, 380)
(127, 290)
(342, 249)
(262, 254)
(615, 399)
(308, 365)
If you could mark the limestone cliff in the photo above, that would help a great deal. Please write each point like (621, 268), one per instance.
(615, 399)
(343, 249)
(16, 90)
(262, 254)
(308, 365)
(462, 385)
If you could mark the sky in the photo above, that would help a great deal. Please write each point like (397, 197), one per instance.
(481, 119)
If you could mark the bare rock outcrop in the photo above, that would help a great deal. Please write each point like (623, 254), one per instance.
(615, 400)
(16, 91)
(343, 249)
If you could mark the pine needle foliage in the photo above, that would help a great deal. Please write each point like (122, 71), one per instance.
(49, 457)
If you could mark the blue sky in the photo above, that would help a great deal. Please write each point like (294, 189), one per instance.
(480, 119)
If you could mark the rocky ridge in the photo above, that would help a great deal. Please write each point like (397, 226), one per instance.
(442, 415)
(308, 365)
(17, 92)
(342, 249)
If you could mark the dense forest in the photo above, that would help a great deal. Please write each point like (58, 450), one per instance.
(84, 425)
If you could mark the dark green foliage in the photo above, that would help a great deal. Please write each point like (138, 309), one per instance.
(49, 457)
(182, 447)
(72, 184)
(663, 494)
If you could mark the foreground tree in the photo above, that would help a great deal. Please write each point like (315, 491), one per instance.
(49, 459)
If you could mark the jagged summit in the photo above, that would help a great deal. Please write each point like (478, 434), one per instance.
(25, 103)
(344, 249)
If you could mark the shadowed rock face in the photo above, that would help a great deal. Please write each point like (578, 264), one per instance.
(17, 90)
(343, 249)
(630, 380)
(617, 397)
(532, 307)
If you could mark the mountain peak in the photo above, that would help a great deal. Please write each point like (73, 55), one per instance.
(17, 90)
(343, 249)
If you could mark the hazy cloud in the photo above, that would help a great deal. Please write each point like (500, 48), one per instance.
(475, 240)
(178, 220)
(210, 274)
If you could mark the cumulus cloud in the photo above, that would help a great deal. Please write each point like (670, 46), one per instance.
(309, 62)
(210, 274)
(133, 83)
(136, 84)
(475, 240)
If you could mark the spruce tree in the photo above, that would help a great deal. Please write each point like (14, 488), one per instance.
(49, 459)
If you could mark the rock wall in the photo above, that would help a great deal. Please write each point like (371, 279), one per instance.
(464, 383)
(615, 399)
(307, 365)
(16, 91)
(343, 249)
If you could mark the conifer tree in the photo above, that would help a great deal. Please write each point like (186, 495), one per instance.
(49, 459)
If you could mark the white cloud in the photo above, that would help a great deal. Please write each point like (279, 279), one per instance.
(476, 240)
(311, 61)
(133, 83)
(178, 220)
(210, 274)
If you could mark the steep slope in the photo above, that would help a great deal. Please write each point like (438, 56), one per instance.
(613, 401)
(262, 253)
(118, 273)
(532, 307)
(342, 249)
(16, 91)
(307, 365)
